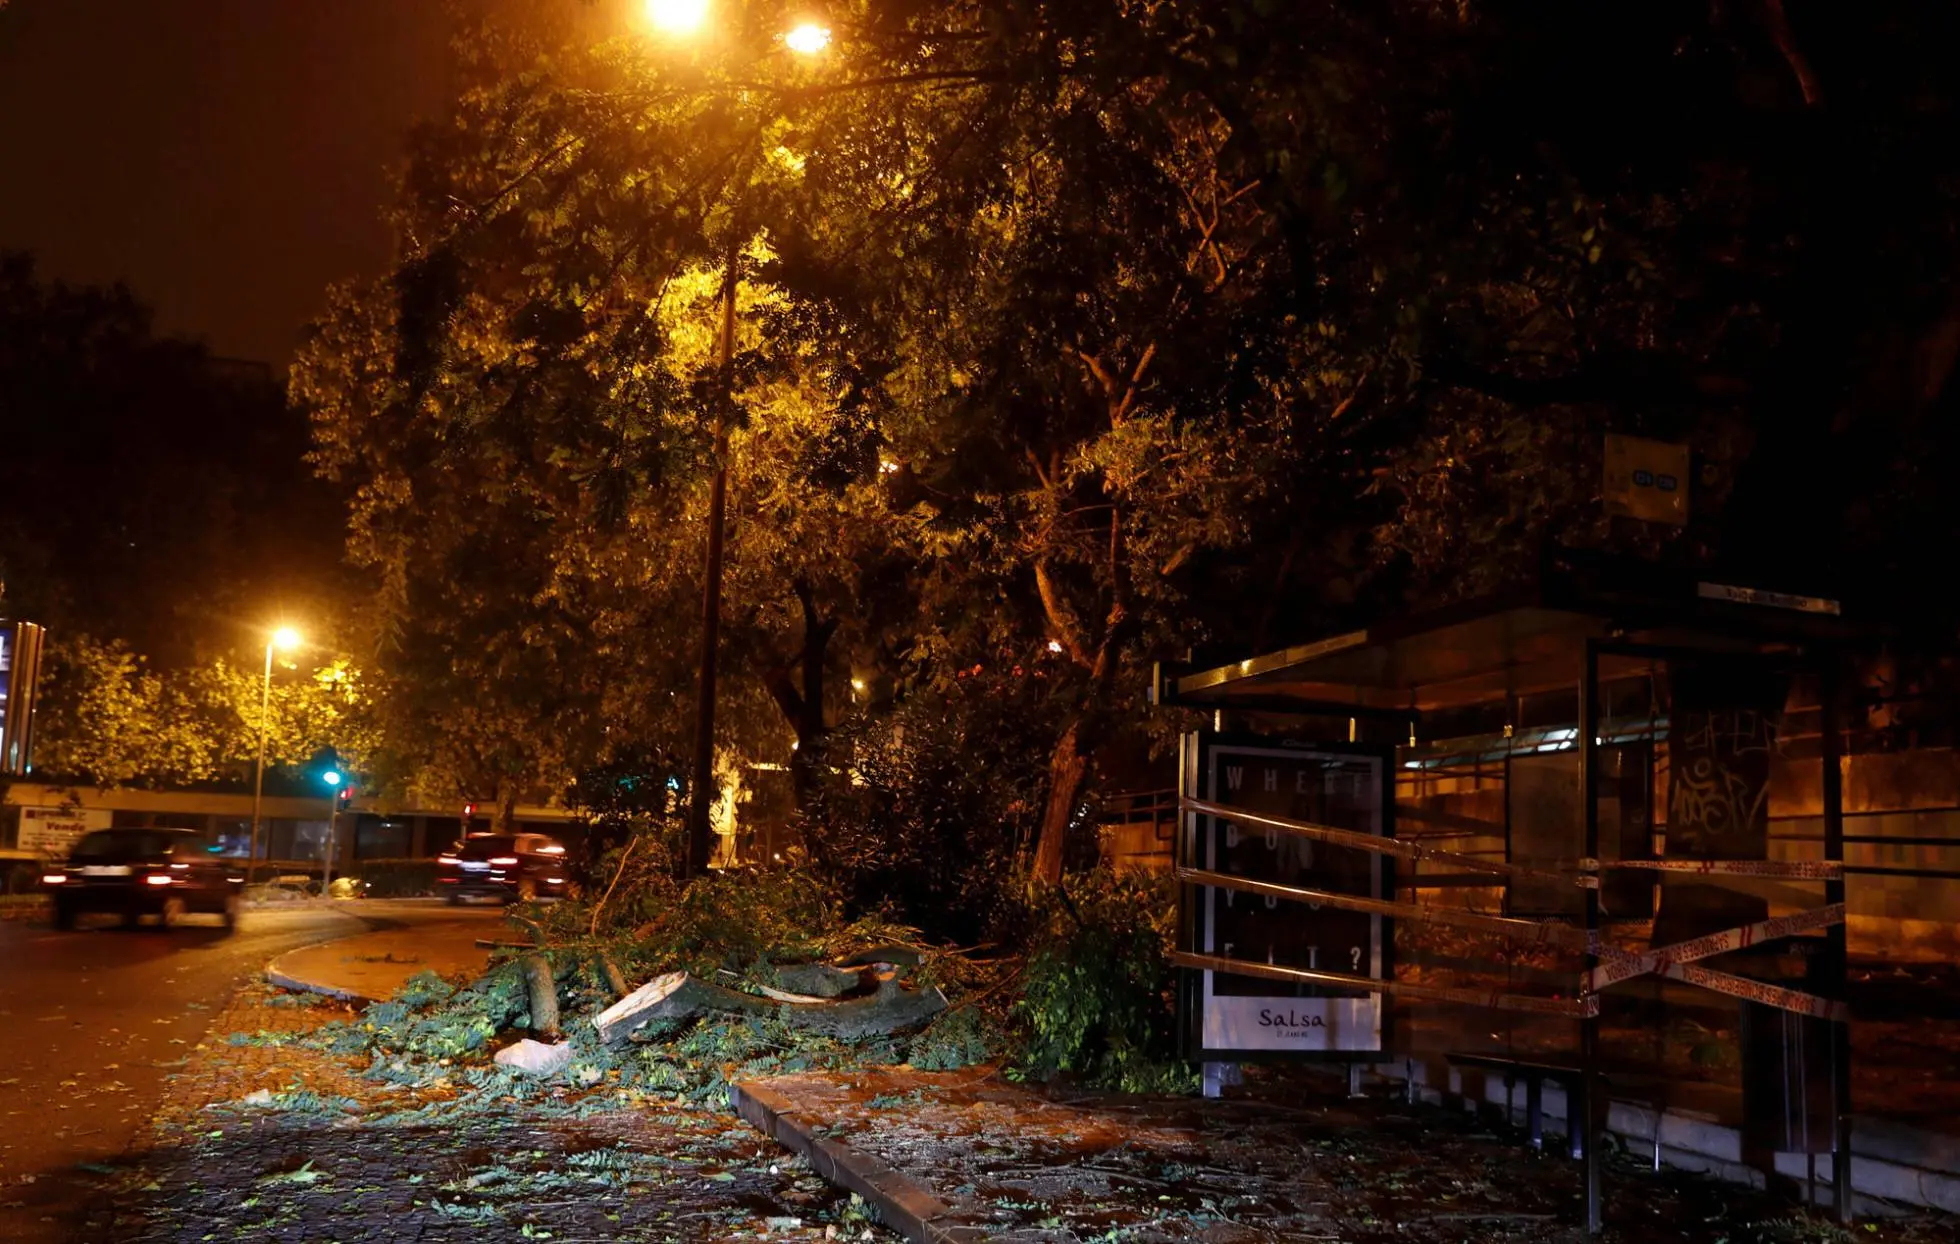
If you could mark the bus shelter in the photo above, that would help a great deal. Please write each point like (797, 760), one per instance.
(1531, 835)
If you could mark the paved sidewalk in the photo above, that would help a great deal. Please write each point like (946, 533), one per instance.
(372, 966)
(968, 1156)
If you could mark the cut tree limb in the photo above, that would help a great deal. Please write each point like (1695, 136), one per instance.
(674, 996)
(818, 980)
(543, 991)
(678, 996)
(783, 995)
(892, 1009)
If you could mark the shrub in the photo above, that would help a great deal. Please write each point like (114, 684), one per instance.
(21, 876)
(633, 796)
(1098, 998)
(929, 810)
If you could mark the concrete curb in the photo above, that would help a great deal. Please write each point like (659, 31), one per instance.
(903, 1204)
(372, 961)
(274, 976)
(284, 980)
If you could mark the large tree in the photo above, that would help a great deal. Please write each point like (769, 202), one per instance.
(1069, 336)
(109, 717)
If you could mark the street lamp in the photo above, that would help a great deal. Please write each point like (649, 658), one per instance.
(808, 38)
(677, 16)
(285, 638)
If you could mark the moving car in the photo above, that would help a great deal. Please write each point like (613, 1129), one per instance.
(513, 867)
(166, 873)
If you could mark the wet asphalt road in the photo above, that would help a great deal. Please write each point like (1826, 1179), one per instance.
(93, 1020)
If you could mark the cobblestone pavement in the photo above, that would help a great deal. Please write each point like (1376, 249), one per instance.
(260, 1142)
(1299, 1160)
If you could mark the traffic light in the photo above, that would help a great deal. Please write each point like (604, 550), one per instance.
(469, 810)
(344, 796)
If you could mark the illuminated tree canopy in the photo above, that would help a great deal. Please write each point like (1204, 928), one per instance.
(1074, 336)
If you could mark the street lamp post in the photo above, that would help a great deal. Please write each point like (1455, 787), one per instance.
(685, 17)
(700, 829)
(284, 637)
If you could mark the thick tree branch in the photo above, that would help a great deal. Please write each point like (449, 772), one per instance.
(1786, 43)
(1047, 484)
(1347, 402)
(1122, 410)
(1061, 619)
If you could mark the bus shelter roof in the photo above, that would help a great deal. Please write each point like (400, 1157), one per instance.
(1525, 641)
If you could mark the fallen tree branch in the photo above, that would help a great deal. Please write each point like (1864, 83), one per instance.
(815, 979)
(678, 996)
(593, 930)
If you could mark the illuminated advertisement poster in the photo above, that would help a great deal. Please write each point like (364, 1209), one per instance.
(1321, 785)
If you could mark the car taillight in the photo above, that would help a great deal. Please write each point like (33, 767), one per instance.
(448, 861)
(504, 859)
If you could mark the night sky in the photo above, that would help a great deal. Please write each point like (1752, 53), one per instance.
(228, 158)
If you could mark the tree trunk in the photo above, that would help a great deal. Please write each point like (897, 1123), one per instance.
(806, 766)
(1068, 772)
(505, 814)
(797, 686)
(542, 991)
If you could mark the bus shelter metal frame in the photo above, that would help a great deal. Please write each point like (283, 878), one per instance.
(1572, 614)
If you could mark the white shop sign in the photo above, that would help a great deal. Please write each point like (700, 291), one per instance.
(54, 831)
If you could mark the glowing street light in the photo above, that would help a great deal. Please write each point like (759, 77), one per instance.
(285, 639)
(677, 17)
(809, 38)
